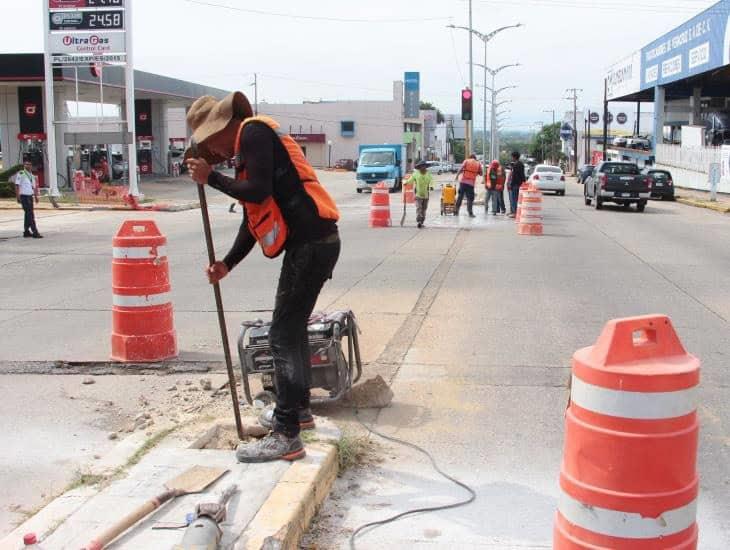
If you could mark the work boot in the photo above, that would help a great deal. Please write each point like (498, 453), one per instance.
(27, 235)
(37, 236)
(306, 420)
(275, 446)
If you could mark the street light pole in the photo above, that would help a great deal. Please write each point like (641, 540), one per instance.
(484, 38)
(494, 150)
(552, 144)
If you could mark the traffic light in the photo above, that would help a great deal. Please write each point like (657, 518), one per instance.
(466, 97)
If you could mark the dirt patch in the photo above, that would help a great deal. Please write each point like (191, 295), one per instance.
(221, 437)
(373, 393)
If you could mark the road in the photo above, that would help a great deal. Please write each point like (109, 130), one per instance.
(474, 325)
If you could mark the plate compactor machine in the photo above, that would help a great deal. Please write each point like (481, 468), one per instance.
(336, 366)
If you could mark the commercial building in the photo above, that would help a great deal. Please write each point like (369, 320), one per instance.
(331, 130)
(160, 104)
(686, 74)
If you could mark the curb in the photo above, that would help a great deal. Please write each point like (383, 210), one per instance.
(96, 208)
(286, 515)
(717, 207)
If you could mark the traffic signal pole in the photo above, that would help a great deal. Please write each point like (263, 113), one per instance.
(469, 124)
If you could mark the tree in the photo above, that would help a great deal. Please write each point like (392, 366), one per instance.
(457, 149)
(428, 106)
(546, 144)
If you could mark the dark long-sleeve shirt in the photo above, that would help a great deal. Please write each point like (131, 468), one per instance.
(518, 174)
(270, 172)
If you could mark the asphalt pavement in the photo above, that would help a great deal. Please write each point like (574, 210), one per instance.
(474, 325)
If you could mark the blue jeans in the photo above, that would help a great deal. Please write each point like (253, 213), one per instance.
(493, 197)
(514, 193)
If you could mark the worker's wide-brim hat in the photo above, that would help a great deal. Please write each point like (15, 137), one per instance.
(208, 116)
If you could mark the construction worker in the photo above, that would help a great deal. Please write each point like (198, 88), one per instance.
(517, 178)
(26, 191)
(286, 210)
(494, 182)
(423, 181)
(467, 178)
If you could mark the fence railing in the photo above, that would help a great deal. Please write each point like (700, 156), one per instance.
(696, 159)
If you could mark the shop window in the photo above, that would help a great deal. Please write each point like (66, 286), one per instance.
(347, 128)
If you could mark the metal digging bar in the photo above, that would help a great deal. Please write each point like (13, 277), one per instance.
(219, 308)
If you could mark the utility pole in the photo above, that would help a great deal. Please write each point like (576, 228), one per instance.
(552, 143)
(605, 119)
(574, 97)
(542, 139)
(470, 123)
(255, 85)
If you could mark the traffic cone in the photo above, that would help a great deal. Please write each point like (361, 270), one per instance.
(629, 473)
(380, 206)
(530, 222)
(142, 317)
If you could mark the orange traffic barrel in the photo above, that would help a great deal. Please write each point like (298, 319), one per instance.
(524, 187)
(530, 222)
(142, 317)
(629, 474)
(380, 206)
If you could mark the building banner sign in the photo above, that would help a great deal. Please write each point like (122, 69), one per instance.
(624, 78)
(412, 95)
(699, 45)
(86, 43)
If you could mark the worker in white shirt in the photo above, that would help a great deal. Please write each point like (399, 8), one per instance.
(26, 191)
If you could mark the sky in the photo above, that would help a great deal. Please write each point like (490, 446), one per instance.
(330, 50)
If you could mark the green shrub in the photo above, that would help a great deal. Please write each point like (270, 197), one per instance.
(7, 190)
(10, 172)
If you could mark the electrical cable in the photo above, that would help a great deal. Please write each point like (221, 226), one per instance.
(374, 524)
(318, 18)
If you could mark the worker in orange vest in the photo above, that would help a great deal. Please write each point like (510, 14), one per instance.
(494, 182)
(285, 210)
(467, 178)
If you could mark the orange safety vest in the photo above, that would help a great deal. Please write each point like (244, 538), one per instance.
(470, 170)
(265, 220)
(499, 184)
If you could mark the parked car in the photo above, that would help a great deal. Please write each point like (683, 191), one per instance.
(454, 167)
(618, 182)
(345, 164)
(638, 143)
(620, 142)
(548, 178)
(435, 167)
(662, 184)
(584, 172)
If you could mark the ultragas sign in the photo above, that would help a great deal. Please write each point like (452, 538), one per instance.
(87, 43)
(697, 46)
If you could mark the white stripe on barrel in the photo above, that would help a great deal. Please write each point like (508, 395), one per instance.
(380, 208)
(146, 300)
(627, 525)
(632, 404)
(139, 252)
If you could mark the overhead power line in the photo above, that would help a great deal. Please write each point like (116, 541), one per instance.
(316, 17)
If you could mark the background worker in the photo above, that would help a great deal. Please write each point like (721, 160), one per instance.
(423, 181)
(494, 182)
(287, 210)
(26, 191)
(516, 180)
(467, 178)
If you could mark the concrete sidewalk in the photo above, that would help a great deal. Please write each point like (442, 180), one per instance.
(274, 502)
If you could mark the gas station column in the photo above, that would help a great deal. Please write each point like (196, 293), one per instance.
(659, 115)
(9, 126)
(61, 114)
(160, 136)
(695, 107)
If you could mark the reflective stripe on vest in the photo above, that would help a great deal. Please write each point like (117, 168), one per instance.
(265, 220)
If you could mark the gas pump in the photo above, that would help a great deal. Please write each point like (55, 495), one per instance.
(175, 156)
(144, 154)
(32, 148)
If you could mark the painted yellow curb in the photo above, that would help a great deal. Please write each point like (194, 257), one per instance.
(717, 207)
(285, 516)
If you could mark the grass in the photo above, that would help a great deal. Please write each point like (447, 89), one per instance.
(352, 451)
